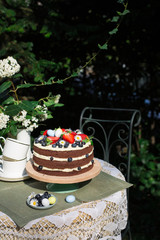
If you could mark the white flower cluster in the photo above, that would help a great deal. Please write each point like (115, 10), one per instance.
(29, 124)
(8, 67)
(57, 97)
(3, 120)
(44, 110)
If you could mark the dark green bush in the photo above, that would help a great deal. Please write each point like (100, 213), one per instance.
(145, 168)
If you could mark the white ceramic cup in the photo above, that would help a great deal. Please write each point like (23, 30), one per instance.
(14, 149)
(12, 169)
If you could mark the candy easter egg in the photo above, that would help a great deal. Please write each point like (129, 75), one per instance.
(70, 198)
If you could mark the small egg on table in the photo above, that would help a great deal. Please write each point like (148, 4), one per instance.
(45, 202)
(70, 198)
(52, 200)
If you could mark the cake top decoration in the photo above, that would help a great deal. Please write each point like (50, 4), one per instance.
(62, 138)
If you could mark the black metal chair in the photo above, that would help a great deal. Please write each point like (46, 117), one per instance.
(111, 130)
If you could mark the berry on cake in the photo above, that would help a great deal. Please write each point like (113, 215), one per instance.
(63, 152)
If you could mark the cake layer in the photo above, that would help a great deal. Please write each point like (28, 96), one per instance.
(62, 173)
(63, 164)
(61, 152)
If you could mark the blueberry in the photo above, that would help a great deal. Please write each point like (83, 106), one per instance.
(45, 194)
(60, 145)
(54, 145)
(87, 155)
(43, 143)
(66, 145)
(37, 196)
(40, 167)
(40, 204)
(74, 145)
(36, 140)
(69, 159)
(51, 158)
(80, 144)
(79, 168)
(92, 161)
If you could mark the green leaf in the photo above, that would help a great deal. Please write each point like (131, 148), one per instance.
(28, 105)
(126, 11)
(13, 130)
(27, 85)
(120, 1)
(114, 31)
(8, 101)
(50, 81)
(12, 110)
(49, 103)
(49, 116)
(59, 81)
(115, 19)
(75, 74)
(59, 105)
(103, 47)
(5, 86)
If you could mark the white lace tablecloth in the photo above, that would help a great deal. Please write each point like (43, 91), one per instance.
(102, 219)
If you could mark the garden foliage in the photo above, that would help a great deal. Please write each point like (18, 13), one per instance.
(145, 168)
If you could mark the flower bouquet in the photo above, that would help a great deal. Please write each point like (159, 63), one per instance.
(16, 113)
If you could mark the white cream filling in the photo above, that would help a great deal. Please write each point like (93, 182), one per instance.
(60, 159)
(69, 148)
(64, 170)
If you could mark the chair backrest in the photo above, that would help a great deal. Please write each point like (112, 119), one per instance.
(111, 131)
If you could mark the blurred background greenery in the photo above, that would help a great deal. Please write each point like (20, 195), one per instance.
(54, 39)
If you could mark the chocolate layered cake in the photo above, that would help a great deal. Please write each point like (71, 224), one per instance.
(62, 152)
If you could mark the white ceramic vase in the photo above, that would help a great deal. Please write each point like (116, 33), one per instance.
(25, 137)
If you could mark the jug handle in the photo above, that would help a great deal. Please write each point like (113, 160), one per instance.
(4, 142)
(1, 162)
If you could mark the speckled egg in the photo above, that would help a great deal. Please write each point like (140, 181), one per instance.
(51, 133)
(45, 202)
(70, 198)
(58, 132)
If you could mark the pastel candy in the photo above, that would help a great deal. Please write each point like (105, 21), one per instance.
(51, 133)
(70, 198)
(45, 202)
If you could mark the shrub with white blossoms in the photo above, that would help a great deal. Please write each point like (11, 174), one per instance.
(16, 113)
(8, 67)
(3, 120)
(30, 122)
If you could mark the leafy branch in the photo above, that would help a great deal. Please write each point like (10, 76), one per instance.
(7, 85)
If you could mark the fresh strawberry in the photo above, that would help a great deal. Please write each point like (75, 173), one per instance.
(63, 130)
(83, 136)
(45, 132)
(53, 139)
(74, 133)
(69, 137)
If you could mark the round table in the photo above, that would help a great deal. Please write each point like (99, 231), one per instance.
(101, 219)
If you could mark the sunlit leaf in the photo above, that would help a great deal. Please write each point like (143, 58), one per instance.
(114, 31)
(103, 47)
(115, 19)
(27, 85)
(59, 81)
